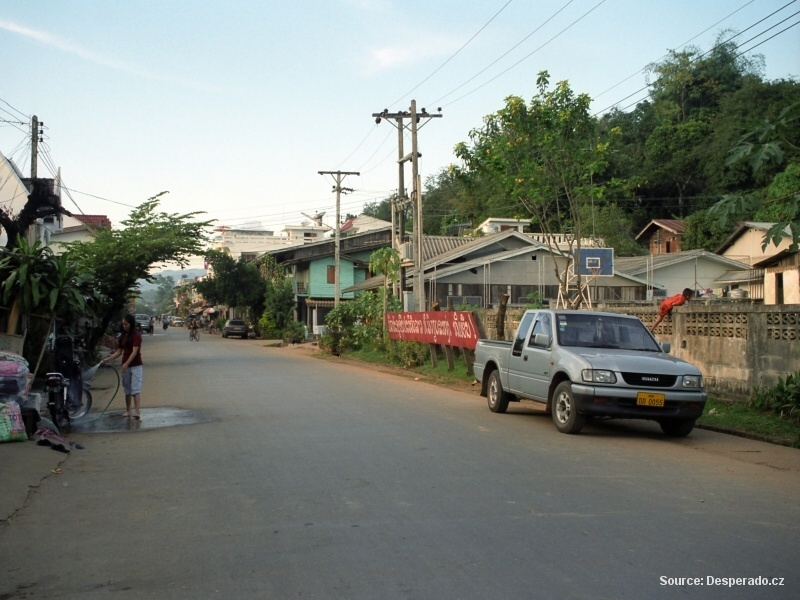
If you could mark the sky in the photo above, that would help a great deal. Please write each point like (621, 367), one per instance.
(234, 107)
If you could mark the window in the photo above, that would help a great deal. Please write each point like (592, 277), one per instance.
(331, 274)
(542, 326)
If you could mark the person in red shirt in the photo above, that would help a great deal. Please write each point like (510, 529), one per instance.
(130, 347)
(670, 303)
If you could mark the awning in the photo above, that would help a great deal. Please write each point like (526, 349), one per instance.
(209, 311)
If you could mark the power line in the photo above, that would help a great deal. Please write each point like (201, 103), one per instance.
(456, 53)
(699, 56)
(502, 56)
(524, 58)
(678, 47)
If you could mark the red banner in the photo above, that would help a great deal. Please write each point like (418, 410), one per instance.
(448, 328)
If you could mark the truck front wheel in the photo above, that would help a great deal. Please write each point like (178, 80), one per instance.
(564, 411)
(496, 397)
(677, 427)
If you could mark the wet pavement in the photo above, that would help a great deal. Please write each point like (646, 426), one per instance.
(113, 421)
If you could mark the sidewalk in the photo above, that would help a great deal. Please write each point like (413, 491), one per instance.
(24, 465)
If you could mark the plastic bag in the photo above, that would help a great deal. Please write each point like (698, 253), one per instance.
(12, 428)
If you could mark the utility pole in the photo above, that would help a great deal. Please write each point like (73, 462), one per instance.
(416, 195)
(339, 175)
(34, 146)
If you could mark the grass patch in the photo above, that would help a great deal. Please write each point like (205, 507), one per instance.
(742, 419)
(440, 373)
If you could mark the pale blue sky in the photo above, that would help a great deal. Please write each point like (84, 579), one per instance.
(235, 106)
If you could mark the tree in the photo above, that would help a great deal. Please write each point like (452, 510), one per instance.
(36, 280)
(541, 159)
(279, 302)
(385, 261)
(234, 283)
(119, 258)
(772, 142)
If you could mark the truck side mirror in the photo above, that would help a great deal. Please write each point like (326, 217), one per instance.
(666, 346)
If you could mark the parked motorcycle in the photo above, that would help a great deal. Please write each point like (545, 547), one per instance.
(67, 398)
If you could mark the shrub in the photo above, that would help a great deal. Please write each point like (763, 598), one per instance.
(783, 398)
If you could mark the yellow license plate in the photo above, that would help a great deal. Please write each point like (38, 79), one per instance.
(650, 399)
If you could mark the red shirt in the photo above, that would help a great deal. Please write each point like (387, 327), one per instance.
(670, 303)
(128, 342)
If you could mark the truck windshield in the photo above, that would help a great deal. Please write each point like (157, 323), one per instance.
(588, 330)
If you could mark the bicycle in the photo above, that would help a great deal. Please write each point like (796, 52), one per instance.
(193, 335)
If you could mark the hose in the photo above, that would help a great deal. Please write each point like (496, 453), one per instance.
(114, 395)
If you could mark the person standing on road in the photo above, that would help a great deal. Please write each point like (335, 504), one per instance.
(670, 303)
(130, 347)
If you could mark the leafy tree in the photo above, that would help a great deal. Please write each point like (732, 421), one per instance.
(385, 261)
(703, 231)
(234, 283)
(379, 209)
(542, 159)
(608, 223)
(119, 258)
(36, 280)
(277, 318)
(770, 143)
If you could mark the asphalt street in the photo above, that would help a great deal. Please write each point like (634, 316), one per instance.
(260, 472)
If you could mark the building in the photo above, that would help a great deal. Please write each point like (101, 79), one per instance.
(696, 269)
(662, 236)
(746, 241)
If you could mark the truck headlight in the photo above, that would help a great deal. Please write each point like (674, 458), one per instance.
(598, 376)
(693, 381)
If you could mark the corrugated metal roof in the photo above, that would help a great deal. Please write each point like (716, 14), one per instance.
(436, 245)
(635, 265)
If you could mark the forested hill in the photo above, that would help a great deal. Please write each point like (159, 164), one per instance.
(672, 155)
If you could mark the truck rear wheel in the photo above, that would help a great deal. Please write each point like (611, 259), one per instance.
(564, 411)
(496, 397)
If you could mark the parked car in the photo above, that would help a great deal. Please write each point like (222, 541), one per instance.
(583, 364)
(144, 323)
(235, 327)
(177, 322)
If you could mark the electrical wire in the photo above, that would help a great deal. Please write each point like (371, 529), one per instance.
(699, 56)
(526, 57)
(467, 43)
(677, 48)
(502, 56)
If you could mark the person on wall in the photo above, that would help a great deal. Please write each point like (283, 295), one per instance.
(670, 303)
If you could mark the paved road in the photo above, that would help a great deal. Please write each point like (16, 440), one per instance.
(310, 478)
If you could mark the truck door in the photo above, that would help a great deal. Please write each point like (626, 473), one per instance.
(534, 378)
(515, 363)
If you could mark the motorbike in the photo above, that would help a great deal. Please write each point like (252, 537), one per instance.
(67, 397)
(166, 324)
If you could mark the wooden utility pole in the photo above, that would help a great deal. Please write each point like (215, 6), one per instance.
(339, 175)
(416, 195)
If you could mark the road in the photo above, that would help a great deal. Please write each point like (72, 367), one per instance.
(309, 478)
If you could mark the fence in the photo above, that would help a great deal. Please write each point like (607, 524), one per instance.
(737, 344)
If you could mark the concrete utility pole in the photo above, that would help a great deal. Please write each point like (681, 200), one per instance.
(34, 146)
(339, 175)
(416, 195)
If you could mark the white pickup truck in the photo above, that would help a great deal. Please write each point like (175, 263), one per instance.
(590, 364)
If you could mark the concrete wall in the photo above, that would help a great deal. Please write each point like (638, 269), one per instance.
(738, 345)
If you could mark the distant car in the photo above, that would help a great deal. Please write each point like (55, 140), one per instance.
(144, 323)
(177, 322)
(235, 327)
